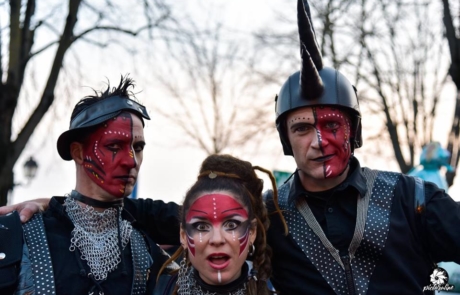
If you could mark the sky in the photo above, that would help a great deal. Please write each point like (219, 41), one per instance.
(170, 167)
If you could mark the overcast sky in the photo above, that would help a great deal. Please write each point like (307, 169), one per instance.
(168, 168)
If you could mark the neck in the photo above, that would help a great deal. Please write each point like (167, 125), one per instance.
(97, 204)
(228, 288)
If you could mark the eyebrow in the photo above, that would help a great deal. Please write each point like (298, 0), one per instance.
(237, 208)
(295, 125)
(199, 211)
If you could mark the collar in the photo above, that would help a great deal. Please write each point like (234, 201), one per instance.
(95, 203)
(355, 180)
(56, 208)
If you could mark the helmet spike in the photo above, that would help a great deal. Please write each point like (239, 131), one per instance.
(307, 33)
(310, 80)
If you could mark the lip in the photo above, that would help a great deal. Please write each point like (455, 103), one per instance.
(126, 178)
(323, 158)
(218, 266)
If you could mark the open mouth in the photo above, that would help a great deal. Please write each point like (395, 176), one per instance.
(218, 261)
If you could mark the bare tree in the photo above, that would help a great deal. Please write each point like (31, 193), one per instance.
(214, 97)
(452, 35)
(401, 62)
(393, 51)
(60, 26)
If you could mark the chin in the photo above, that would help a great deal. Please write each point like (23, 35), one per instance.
(227, 278)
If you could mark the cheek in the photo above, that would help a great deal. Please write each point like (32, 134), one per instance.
(243, 242)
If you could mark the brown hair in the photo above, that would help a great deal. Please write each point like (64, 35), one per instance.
(227, 173)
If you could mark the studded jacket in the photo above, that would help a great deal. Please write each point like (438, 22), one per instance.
(391, 254)
(71, 275)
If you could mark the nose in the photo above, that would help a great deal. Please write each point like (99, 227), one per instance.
(319, 141)
(129, 159)
(216, 238)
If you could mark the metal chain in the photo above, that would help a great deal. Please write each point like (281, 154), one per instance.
(96, 236)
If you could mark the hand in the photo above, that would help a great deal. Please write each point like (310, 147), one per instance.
(26, 209)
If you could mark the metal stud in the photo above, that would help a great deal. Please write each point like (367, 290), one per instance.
(2, 256)
(129, 102)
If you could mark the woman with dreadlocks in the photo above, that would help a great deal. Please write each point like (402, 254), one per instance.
(223, 224)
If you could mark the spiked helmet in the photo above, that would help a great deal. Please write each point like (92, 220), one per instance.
(315, 85)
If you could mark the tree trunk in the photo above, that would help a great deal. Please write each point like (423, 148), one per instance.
(453, 145)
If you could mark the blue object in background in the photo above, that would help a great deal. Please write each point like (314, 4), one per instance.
(133, 194)
(432, 159)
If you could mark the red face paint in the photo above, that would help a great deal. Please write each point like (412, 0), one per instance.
(217, 234)
(217, 212)
(333, 132)
(109, 155)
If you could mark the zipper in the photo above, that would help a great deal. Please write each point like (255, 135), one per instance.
(349, 274)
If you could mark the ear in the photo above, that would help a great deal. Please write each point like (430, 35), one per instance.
(76, 151)
(253, 231)
(183, 238)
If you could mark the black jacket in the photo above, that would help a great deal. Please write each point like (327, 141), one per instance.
(404, 267)
(70, 271)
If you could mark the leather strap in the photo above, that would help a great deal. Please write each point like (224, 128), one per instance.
(39, 254)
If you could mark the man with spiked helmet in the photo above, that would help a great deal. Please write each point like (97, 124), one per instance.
(350, 229)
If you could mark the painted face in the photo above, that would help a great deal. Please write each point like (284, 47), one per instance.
(113, 154)
(217, 234)
(320, 140)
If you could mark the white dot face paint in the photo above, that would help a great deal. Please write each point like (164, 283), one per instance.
(320, 140)
(109, 157)
(217, 233)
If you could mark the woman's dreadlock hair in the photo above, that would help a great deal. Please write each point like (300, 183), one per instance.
(227, 173)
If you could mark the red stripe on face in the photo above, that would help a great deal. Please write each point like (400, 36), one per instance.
(244, 241)
(191, 245)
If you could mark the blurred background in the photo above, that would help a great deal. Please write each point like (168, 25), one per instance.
(208, 72)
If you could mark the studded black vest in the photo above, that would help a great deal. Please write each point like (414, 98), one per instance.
(350, 274)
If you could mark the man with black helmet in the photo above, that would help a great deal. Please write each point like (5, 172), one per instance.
(88, 242)
(351, 230)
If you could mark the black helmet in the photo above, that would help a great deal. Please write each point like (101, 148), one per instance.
(315, 85)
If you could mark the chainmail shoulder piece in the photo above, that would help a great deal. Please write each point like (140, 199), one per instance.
(96, 236)
(188, 285)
